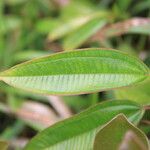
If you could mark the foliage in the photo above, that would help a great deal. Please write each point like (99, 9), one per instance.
(33, 29)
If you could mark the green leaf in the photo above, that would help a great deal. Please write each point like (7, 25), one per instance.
(78, 37)
(74, 24)
(112, 134)
(79, 131)
(47, 25)
(3, 145)
(77, 72)
(139, 93)
(67, 27)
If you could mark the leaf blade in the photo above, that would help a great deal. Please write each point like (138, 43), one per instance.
(84, 125)
(77, 72)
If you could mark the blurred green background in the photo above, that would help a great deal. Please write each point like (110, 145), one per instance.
(34, 28)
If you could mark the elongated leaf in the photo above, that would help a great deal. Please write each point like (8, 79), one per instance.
(68, 27)
(3, 145)
(111, 135)
(78, 37)
(77, 72)
(73, 24)
(78, 132)
(139, 93)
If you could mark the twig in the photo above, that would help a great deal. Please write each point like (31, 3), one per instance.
(61, 108)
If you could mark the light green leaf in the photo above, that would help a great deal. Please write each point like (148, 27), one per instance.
(3, 145)
(139, 93)
(78, 132)
(111, 136)
(77, 72)
(78, 37)
(47, 25)
(68, 26)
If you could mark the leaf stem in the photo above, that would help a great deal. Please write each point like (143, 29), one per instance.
(146, 122)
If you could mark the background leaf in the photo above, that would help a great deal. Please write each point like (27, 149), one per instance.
(132, 142)
(79, 131)
(111, 135)
(77, 72)
(139, 93)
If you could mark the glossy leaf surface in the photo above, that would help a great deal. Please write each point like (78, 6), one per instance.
(111, 136)
(77, 72)
(79, 131)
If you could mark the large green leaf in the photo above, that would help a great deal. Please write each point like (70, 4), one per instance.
(78, 132)
(77, 72)
(139, 93)
(112, 136)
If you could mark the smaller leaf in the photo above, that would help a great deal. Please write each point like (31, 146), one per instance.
(139, 93)
(78, 132)
(112, 134)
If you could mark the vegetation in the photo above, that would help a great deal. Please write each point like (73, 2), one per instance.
(59, 90)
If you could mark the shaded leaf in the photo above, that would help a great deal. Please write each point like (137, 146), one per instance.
(111, 135)
(79, 131)
(139, 93)
(132, 142)
(77, 72)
